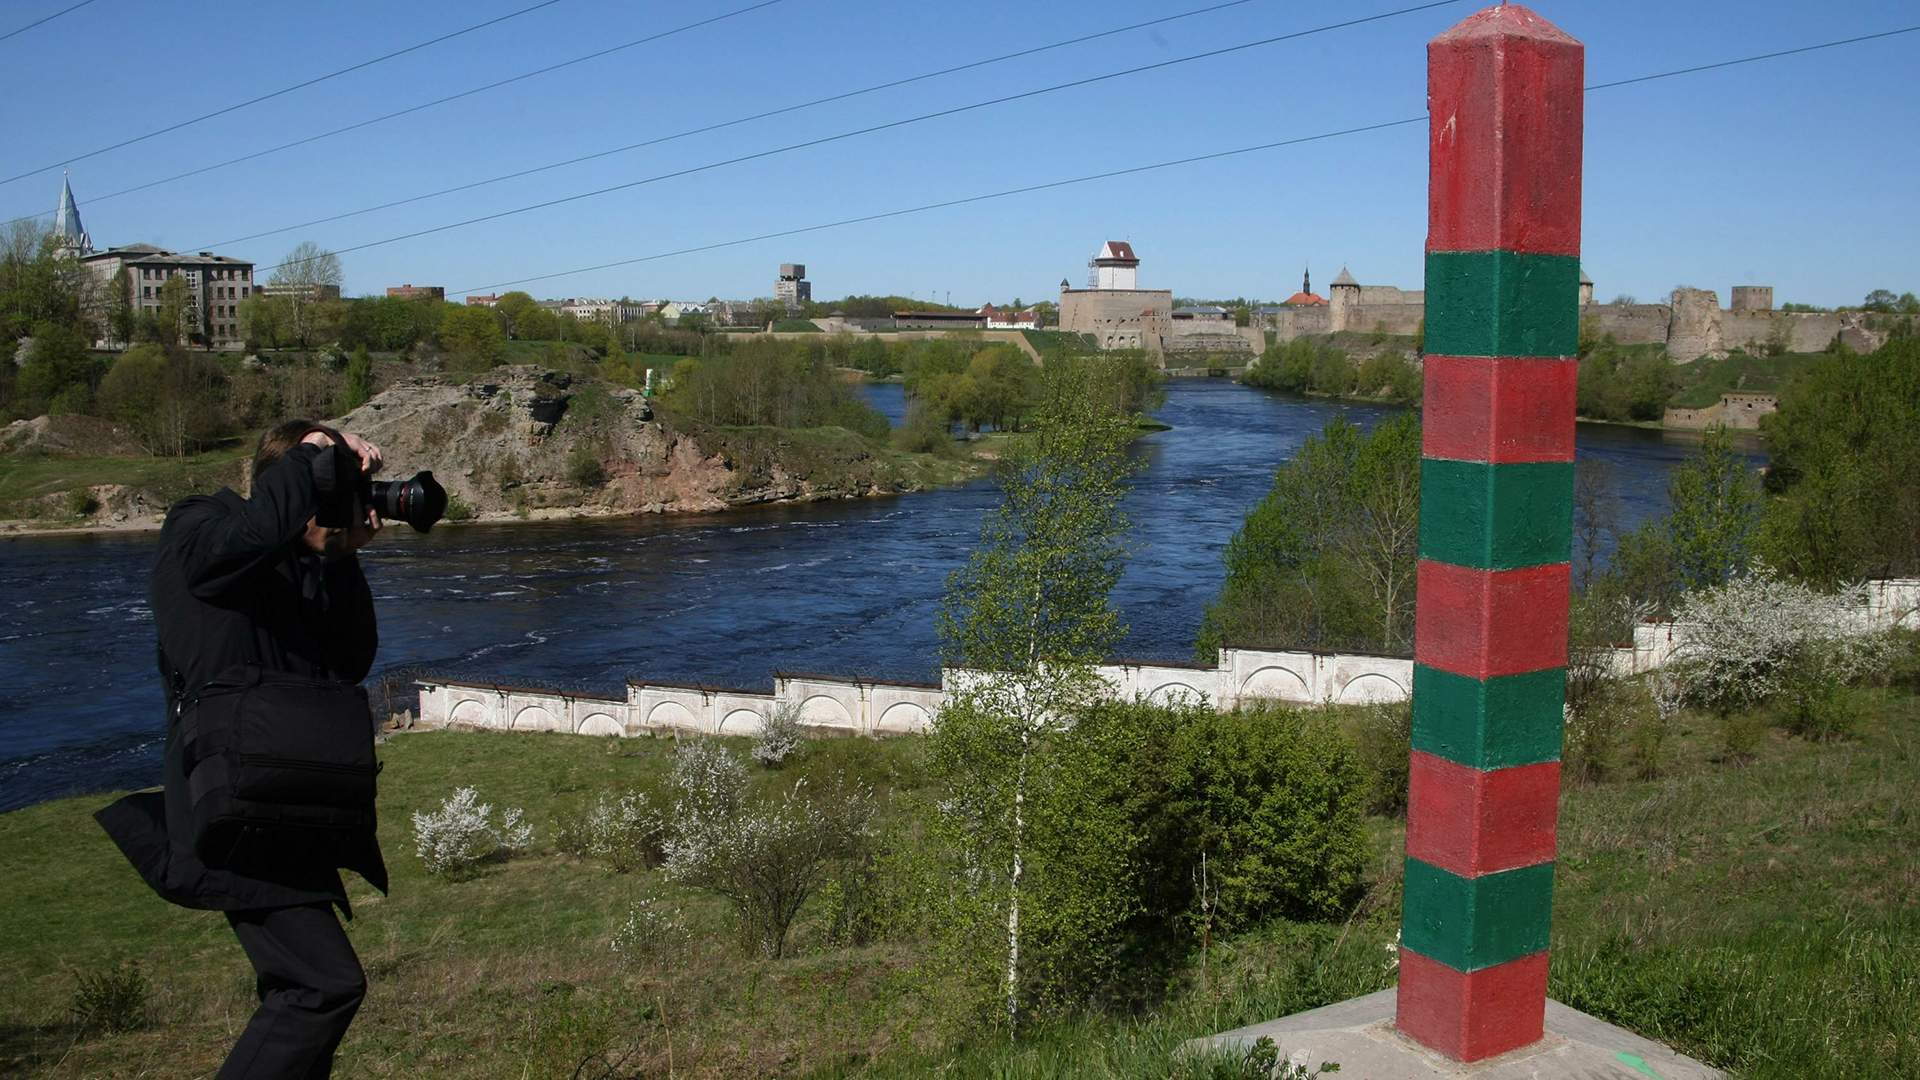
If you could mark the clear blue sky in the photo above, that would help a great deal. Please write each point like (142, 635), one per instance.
(1799, 172)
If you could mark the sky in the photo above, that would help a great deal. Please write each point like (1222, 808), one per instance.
(1798, 172)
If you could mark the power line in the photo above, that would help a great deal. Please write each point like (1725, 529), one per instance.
(1754, 59)
(1028, 189)
(484, 87)
(1134, 170)
(283, 90)
(691, 131)
(870, 129)
(46, 19)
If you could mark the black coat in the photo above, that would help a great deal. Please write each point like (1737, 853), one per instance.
(232, 585)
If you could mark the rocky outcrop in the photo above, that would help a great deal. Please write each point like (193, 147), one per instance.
(530, 441)
(68, 436)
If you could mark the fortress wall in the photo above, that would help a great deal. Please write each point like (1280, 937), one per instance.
(1695, 331)
(1631, 324)
(1299, 322)
(1118, 318)
(1391, 294)
(1394, 318)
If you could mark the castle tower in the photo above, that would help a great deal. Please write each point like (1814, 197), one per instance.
(1344, 298)
(1586, 289)
(66, 224)
(1115, 267)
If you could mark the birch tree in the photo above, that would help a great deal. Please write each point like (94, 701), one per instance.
(1027, 619)
(311, 272)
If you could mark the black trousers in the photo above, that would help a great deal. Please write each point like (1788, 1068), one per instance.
(310, 985)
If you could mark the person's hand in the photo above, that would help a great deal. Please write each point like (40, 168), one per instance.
(369, 454)
(363, 533)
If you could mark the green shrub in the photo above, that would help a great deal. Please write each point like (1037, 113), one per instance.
(924, 432)
(1275, 795)
(1383, 741)
(111, 999)
(458, 509)
(1122, 807)
(1819, 705)
(81, 502)
(584, 467)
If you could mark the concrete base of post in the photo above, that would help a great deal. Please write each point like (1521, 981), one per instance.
(1360, 1037)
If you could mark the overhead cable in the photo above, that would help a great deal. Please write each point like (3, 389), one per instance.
(303, 84)
(1158, 165)
(409, 110)
(868, 130)
(657, 140)
(44, 19)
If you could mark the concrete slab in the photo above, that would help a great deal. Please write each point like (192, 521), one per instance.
(1359, 1035)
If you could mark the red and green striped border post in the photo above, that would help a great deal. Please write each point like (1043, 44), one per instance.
(1496, 527)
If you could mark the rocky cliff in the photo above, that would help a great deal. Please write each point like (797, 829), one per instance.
(527, 441)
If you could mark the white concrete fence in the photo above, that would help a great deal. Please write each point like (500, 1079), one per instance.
(871, 707)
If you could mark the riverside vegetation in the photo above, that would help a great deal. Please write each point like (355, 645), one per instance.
(1042, 894)
(1752, 914)
(1631, 384)
(115, 437)
(741, 419)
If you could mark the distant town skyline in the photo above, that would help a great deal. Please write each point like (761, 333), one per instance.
(1794, 173)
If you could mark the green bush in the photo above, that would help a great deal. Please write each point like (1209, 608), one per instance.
(1123, 806)
(584, 467)
(1383, 740)
(924, 432)
(111, 999)
(81, 502)
(458, 509)
(1275, 795)
(1819, 705)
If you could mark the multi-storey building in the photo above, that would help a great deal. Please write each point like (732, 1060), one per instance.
(411, 291)
(215, 284)
(793, 289)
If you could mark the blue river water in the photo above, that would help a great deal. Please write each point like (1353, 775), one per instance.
(727, 599)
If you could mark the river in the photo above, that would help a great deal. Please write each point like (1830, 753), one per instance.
(728, 599)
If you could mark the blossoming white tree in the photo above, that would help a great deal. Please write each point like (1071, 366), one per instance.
(1760, 635)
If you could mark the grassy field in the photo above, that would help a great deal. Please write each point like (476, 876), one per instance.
(1759, 916)
(1704, 380)
(27, 479)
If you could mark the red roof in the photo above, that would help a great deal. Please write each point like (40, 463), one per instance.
(1120, 250)
(1305, 299)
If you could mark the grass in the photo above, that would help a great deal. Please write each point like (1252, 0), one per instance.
(27, 480)
(1759, 917)
(833, 459)
(795, 326)
(1704, 380)
(1045, 341)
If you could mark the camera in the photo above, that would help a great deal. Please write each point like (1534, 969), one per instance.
(419, 501)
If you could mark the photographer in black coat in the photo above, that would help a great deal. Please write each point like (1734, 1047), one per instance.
(258, 581)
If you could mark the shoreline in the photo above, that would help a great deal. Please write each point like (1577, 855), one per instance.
(22, 529)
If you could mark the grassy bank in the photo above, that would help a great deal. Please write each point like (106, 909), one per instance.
(1759, 916)
(46, 490)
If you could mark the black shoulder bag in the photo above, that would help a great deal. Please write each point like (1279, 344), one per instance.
(279, 767)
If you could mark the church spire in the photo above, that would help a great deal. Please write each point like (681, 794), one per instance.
(1306, 280)
(66, 223)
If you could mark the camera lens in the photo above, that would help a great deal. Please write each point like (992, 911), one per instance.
(419, 501)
